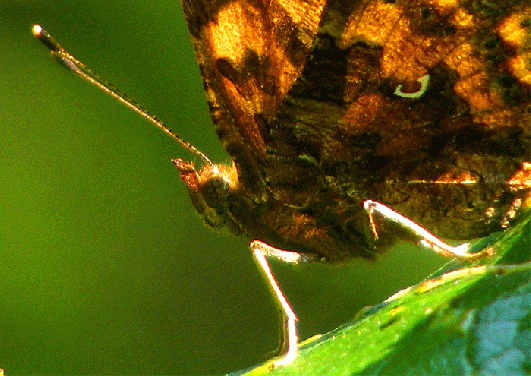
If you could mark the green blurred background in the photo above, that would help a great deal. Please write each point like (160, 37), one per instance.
(104, 266)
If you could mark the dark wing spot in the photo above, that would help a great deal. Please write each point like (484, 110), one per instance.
(494, 50)
(252, 66)
(427, 21)
(327, 64)
(228, 70)
(490, 9)
(510, 89)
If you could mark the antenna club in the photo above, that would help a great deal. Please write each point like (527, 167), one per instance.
(45, 38)
(36, 30)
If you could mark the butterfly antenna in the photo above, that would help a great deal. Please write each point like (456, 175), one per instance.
(76, 66)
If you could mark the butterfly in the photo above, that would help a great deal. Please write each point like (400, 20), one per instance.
(339, 115)
(353, 123)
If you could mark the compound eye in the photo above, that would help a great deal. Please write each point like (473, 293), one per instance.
(215, 192)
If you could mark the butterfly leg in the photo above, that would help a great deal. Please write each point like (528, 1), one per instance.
(261, 251)
(426, 238)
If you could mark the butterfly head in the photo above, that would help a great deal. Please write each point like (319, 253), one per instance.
(211, 189)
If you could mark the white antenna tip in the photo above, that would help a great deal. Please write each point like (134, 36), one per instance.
(36, 30)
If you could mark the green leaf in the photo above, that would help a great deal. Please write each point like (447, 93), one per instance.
(473, 320)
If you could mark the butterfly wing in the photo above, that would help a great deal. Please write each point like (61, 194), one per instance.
(423, 105)
(358, 123)
(250, 53)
